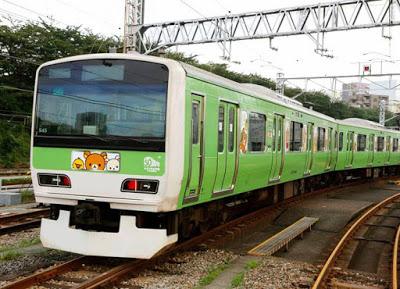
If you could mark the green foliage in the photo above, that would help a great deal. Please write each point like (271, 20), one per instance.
(14, 144)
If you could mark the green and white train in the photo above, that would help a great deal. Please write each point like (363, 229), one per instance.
(135, 152)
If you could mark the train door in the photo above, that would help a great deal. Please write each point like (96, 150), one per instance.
(388, 149)
(277, 148)
(350, 149)
(309, 148)
(329, 145)
(196, 148)
(227, 147)
(371, 149)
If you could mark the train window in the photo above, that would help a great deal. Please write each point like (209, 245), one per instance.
(231, 133)
(381, 143)
(256, 132)
(341, 141)
(361, 142)
(296, 136)
(395, 144)
(336, 140)
(195, 123)
(221, 117)
(321, 139)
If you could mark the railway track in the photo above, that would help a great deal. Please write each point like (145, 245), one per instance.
(85, 272)
(328, 274)
(20, 221)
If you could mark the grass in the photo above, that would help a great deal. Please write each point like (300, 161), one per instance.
(11, 252)
(9, 182)
(9, 255)
(237, 280)
(252, 264)
(27, 196)
(20, 245)
(212, 274)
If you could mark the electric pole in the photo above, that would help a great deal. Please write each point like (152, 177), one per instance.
(134, 14)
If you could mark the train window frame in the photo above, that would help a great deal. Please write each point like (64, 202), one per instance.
(380, 147)
(296, 128)
(341, 134)
(251, 132)
(361, 142)
(321, 139)
(395, 146)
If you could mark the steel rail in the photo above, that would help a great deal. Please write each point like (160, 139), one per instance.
(47, 274)
(395, 259)
(335, 253)
(18, 222)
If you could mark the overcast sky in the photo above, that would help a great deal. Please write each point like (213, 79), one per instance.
(295, 56)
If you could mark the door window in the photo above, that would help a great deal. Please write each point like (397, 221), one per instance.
(221, 117)
(231, 133)
(195, 123)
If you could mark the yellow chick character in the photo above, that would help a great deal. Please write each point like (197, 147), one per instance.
(78, 164)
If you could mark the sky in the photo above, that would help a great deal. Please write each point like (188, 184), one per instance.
(295, 55)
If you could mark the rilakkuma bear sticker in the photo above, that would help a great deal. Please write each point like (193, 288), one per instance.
(95, 161)
(244, 128)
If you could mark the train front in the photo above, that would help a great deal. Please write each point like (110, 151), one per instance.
(101, 153)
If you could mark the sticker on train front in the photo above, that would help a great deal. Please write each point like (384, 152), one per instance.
(95, 161)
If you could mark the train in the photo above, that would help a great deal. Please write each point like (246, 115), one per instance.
(135, 152)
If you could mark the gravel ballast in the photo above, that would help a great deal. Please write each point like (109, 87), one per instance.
(182, 271)
(279, 273)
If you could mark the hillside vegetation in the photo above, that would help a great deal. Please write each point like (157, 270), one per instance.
(25, 46)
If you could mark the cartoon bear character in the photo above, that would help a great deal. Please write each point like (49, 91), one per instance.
(113, 164)
(78, 164)
(95, 161)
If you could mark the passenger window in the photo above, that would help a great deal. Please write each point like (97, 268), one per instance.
(340, 141)
(336, 140)
(381, 143)
(361, 142)
(321, 139)
(296, 136)
(195, 123)
(231, 138)
(256, 132)
(221, 116)
(395, 144)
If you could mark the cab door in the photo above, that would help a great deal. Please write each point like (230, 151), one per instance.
(277, 148)
(196, 158)
(226, 147)
(350, 149)
(371, 149)
(309, 148)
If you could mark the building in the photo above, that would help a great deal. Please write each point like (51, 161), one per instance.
(358, 94)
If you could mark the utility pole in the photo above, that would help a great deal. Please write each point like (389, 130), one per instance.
(134, 15)
(382, 112)
(280, 83)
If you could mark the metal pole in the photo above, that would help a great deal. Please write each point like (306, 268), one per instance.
(134, 16)
(382, 112)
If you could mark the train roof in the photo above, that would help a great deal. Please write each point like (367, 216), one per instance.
(267, 94)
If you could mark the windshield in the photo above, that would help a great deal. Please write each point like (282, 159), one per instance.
(109, 103)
